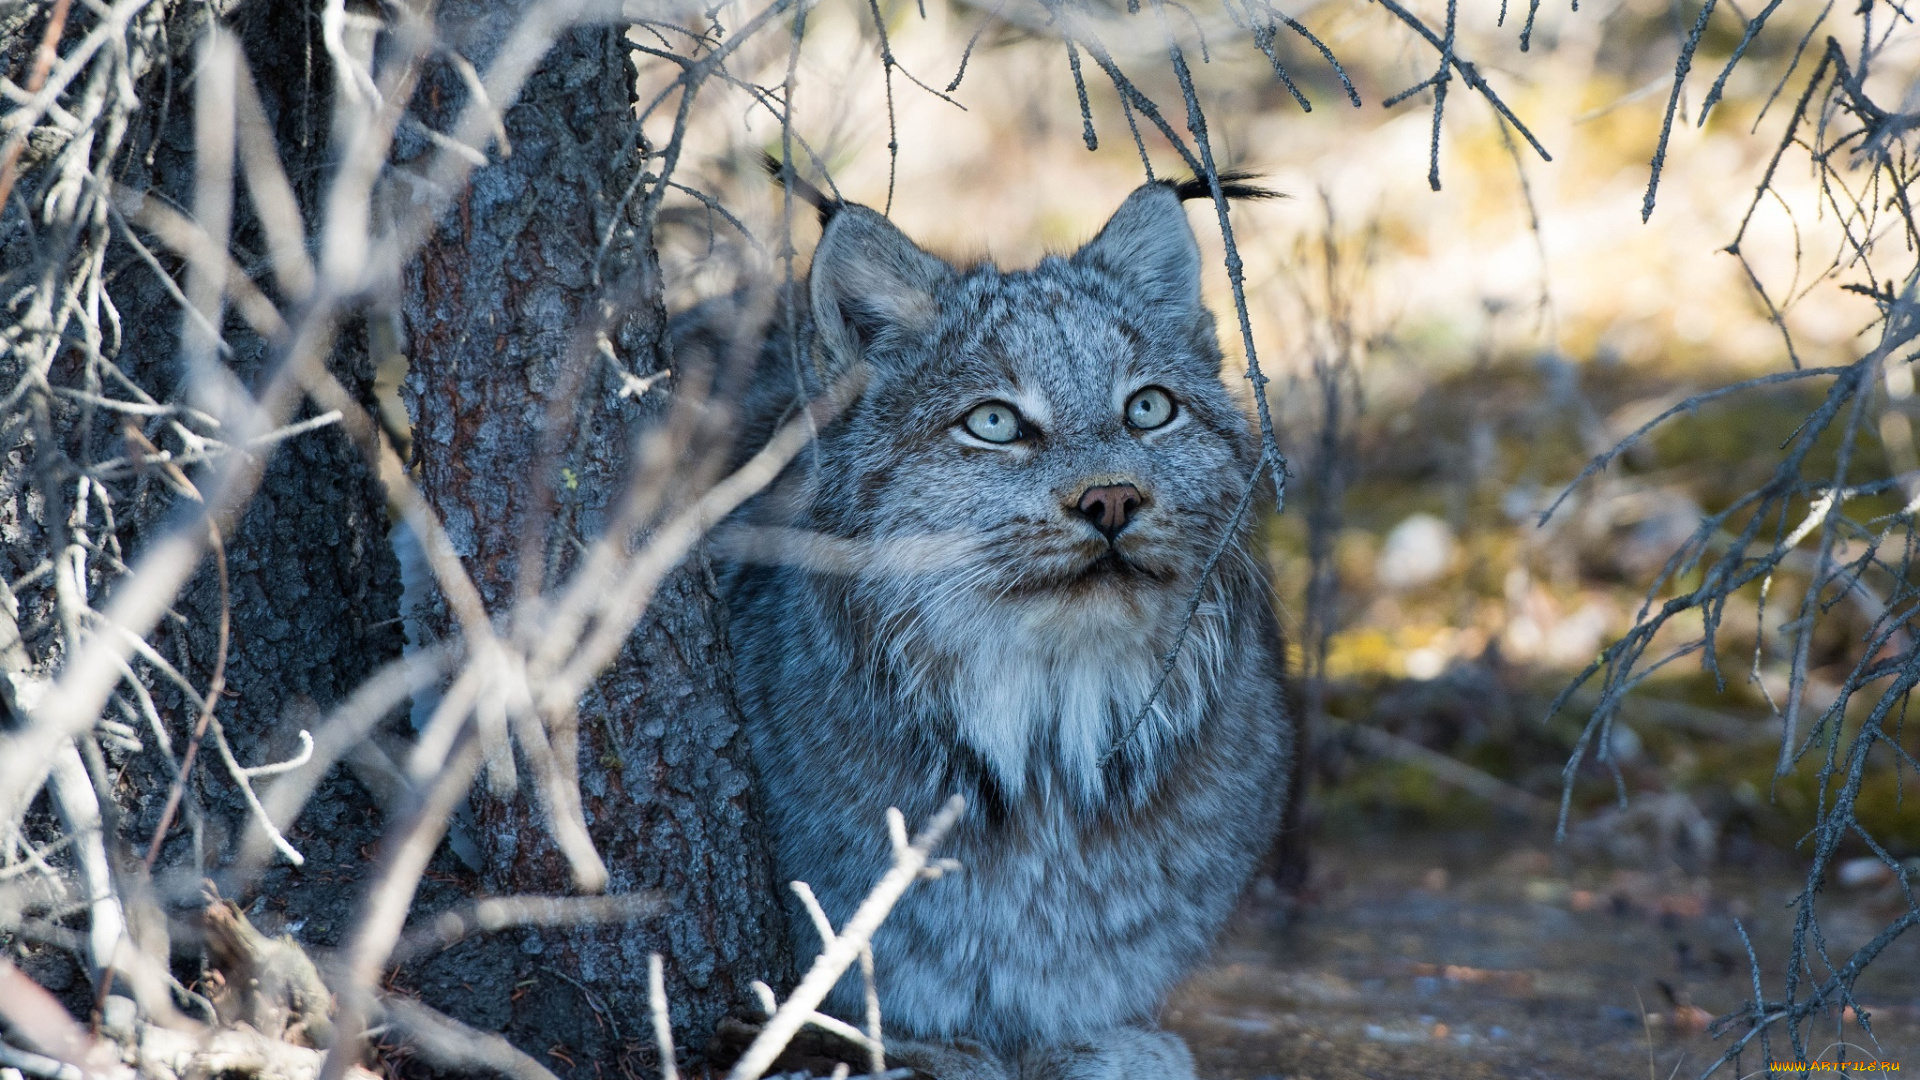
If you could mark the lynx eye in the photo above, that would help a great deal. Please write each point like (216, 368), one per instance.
(995, 422)
(1149, 408)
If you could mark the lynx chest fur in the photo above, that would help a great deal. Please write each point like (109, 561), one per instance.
(970, 583)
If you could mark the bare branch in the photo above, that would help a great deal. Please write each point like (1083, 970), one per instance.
(844, 948)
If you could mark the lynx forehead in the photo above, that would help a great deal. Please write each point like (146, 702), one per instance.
(983, 561)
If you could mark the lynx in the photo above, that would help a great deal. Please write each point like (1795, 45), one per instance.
(968, 584)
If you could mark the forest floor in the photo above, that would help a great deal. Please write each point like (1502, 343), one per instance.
(1484, 955)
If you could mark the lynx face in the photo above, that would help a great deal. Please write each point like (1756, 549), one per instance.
(1081, 448)
(1056, 452)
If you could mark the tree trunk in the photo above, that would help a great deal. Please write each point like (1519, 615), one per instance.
(494, 312)
(313, 585)
(493, 308)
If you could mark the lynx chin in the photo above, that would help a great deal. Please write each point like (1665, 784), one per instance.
(968, 584)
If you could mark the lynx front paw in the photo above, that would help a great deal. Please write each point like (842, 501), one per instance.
(960, 1060)
(1127, 1053)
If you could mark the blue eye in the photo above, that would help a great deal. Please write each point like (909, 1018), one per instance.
(1149, 408)
(995, 422)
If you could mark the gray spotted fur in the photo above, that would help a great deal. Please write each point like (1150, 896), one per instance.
(912, 615)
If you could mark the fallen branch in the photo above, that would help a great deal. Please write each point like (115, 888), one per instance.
(453, 1045)
(1447, 770)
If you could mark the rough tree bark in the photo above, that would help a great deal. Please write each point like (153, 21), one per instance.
(492, 309)
(495, 310)
(313, 583)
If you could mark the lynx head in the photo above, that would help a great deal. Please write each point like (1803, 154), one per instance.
(1057, 445)
(1069, 420)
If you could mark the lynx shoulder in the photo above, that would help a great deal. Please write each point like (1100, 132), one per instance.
(968, 583)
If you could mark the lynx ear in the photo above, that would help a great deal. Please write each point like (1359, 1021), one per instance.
(869, 282)
(1150, 248)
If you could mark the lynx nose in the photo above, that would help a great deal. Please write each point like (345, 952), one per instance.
(1110, 506)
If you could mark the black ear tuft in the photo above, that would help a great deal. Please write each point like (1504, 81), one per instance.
(1233, 185)
(823, 204)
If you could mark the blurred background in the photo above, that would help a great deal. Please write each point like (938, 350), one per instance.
(1490, 338)
(1444, 363)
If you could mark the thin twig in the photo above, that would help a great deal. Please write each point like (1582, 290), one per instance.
(911, 862)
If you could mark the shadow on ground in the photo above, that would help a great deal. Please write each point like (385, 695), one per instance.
(1488, 955)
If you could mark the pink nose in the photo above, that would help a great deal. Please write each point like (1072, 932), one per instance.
(1110, 507)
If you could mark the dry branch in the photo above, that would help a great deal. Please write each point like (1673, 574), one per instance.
(912, 861)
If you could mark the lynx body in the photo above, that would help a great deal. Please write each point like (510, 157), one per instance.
(968, 584)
